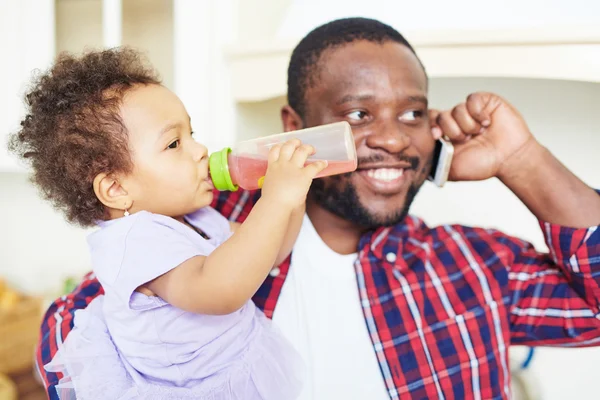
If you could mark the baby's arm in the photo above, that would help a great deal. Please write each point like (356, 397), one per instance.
(226, 279)
(291, 234)
(222, 282)
(293, 229)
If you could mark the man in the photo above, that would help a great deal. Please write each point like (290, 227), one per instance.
(380, 305)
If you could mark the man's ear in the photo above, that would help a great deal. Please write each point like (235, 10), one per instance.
(290, 119)
(111, 193)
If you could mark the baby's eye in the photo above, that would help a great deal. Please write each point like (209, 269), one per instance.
(174, 144)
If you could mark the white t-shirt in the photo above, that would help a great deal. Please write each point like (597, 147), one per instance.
(319, 311)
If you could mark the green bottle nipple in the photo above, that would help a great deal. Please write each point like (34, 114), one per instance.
(219, 170)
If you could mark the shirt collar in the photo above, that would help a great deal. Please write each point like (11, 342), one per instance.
(387, 240)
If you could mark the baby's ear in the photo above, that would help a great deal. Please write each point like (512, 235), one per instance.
(111, 193)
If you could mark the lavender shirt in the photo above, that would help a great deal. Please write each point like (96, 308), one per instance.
(158, 342)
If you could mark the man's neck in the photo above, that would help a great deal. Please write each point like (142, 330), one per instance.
(342, 236)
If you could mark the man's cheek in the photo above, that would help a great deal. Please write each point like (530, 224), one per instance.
(356, 182)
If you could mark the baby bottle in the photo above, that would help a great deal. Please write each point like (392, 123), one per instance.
(245, 164)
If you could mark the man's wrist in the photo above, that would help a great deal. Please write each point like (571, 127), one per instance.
(523, 164)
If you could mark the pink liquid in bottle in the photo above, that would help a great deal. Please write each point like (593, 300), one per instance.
(245, 171)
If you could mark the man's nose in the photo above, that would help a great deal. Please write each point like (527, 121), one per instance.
(390, 136)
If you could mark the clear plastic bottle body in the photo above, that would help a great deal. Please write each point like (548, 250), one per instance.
(247, 161)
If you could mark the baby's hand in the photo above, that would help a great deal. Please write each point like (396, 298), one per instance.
(287, 179)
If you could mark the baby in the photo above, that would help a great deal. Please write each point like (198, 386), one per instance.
(113, 148)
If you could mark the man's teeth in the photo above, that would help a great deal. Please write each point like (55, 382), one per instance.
(385, 174)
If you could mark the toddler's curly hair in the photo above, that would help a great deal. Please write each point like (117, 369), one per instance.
(73, 130)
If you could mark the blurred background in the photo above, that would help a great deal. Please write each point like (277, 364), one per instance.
(227, 60)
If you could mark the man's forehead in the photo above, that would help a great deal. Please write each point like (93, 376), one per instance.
(369, 65)
(366, 83)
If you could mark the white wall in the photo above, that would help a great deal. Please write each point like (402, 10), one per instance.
(147, 26)
(26, 43)
(38, 249)
(304, 15)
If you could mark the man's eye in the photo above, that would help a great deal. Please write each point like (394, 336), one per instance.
(356, 115)
(174, 144)
(411, 115)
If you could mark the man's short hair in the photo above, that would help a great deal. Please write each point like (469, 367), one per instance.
(303, 67)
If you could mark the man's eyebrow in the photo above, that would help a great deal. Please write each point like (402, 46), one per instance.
(351, 97)
(418, 99)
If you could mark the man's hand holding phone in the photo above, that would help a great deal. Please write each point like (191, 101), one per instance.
(488, 134)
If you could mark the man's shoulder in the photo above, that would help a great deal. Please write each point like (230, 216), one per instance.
(416, 228)
(453, 239)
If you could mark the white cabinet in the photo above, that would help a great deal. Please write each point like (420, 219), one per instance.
(547, 48)
(536, 39)
(228, 59)
(26, 43)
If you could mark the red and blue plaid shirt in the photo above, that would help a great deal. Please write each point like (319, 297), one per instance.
(442, 305)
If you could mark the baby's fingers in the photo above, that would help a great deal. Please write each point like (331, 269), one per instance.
(314, 168)
(274, 153)
(301, 154)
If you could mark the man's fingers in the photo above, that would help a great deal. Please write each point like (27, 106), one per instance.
(481, 106)
(465, 120)
(450, 127)
(436, 131)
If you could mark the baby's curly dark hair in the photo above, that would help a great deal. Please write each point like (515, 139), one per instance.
(73, 130)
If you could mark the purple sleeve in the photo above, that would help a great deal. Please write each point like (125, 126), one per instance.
(153, 247)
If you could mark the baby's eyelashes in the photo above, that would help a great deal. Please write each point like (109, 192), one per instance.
(174, 144)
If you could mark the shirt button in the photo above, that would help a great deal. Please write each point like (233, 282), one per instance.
(391, 257)
(275, 272)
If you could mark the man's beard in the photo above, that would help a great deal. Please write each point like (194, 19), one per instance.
(338, 196)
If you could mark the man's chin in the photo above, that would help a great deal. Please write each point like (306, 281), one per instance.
(366, 210)
(387, 217)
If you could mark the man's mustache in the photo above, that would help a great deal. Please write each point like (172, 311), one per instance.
(379, 158)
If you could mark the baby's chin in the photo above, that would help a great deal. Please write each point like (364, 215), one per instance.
(203, 200)
(185, 204)
(199, 203)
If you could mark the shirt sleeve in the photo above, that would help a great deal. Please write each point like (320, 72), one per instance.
(56, 325)
(152, 248)
(555, 297)
(235, 206)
